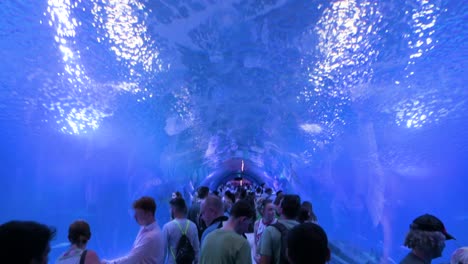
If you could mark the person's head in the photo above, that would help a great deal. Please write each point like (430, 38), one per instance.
(229, 197)
(259, 190)
(203, 192)
(79, 233)
(211, 208)
(307, 244)
(178, 208)
(242, 214)
(460, 256)
(290, 206)
(25, 242)
(269, 191)
(228, 200)
(145, 208)
(427, 235)
(306, 214)
(267, 210)
(176, 194)
(243, 194)
(278, 200)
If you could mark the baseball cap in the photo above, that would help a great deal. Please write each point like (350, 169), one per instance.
(429, 222)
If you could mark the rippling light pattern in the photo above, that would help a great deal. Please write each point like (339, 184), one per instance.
(60, 18)
(78, 104)
(126, 31)
(429, 106)
(426, 108)
(346, 32)
(424, 18)
(72, 120)
(183, 106)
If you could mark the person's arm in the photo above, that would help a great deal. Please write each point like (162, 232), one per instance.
(194, 241)
(243, 255)
(165, 237)
(146, 247)
(91, 257)
(159, 248)
(256, 225)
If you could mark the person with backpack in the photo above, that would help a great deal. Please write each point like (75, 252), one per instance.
(180, 236)
(273, 243)
(226, 245)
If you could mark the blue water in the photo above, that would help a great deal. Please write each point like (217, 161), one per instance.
(359, 106)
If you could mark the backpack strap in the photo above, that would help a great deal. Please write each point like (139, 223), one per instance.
(284, 232)
(83, 257)
(183, 233)
(280, 227)
(180, 227)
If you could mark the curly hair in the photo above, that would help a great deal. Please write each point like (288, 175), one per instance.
(423, 240)
(460, 256)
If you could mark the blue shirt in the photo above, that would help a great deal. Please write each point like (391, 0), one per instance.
(213, 227)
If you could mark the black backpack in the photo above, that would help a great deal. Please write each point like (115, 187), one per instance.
(185, 254)
(284, 238)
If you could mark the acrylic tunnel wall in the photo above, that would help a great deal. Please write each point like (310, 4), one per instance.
(359, 106)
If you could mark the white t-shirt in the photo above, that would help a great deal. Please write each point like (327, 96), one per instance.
(71, 256)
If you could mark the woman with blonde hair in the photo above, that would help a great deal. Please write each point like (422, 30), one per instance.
(79, 234)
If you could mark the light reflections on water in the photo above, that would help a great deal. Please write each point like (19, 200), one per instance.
(347, 33)
(124, 26)
(71, 116)
(79, 104)
(424, 18)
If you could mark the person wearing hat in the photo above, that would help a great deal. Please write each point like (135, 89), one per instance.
(426, 239)
(79, 234)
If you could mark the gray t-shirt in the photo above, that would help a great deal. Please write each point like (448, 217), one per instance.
(225, 247)
(270, 243)
(172, 233)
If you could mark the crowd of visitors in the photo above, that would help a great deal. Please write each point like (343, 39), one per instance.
(233, 224)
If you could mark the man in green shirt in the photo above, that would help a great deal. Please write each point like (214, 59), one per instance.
(270, 243)
(227, 245)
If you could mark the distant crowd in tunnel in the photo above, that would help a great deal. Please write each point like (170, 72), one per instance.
(232, 224)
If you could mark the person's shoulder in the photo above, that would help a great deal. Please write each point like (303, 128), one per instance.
(167, 225)
(289, 223)
(269, 229)
(208, 236)
(191, 223)
(410, 259)
(92, 257)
